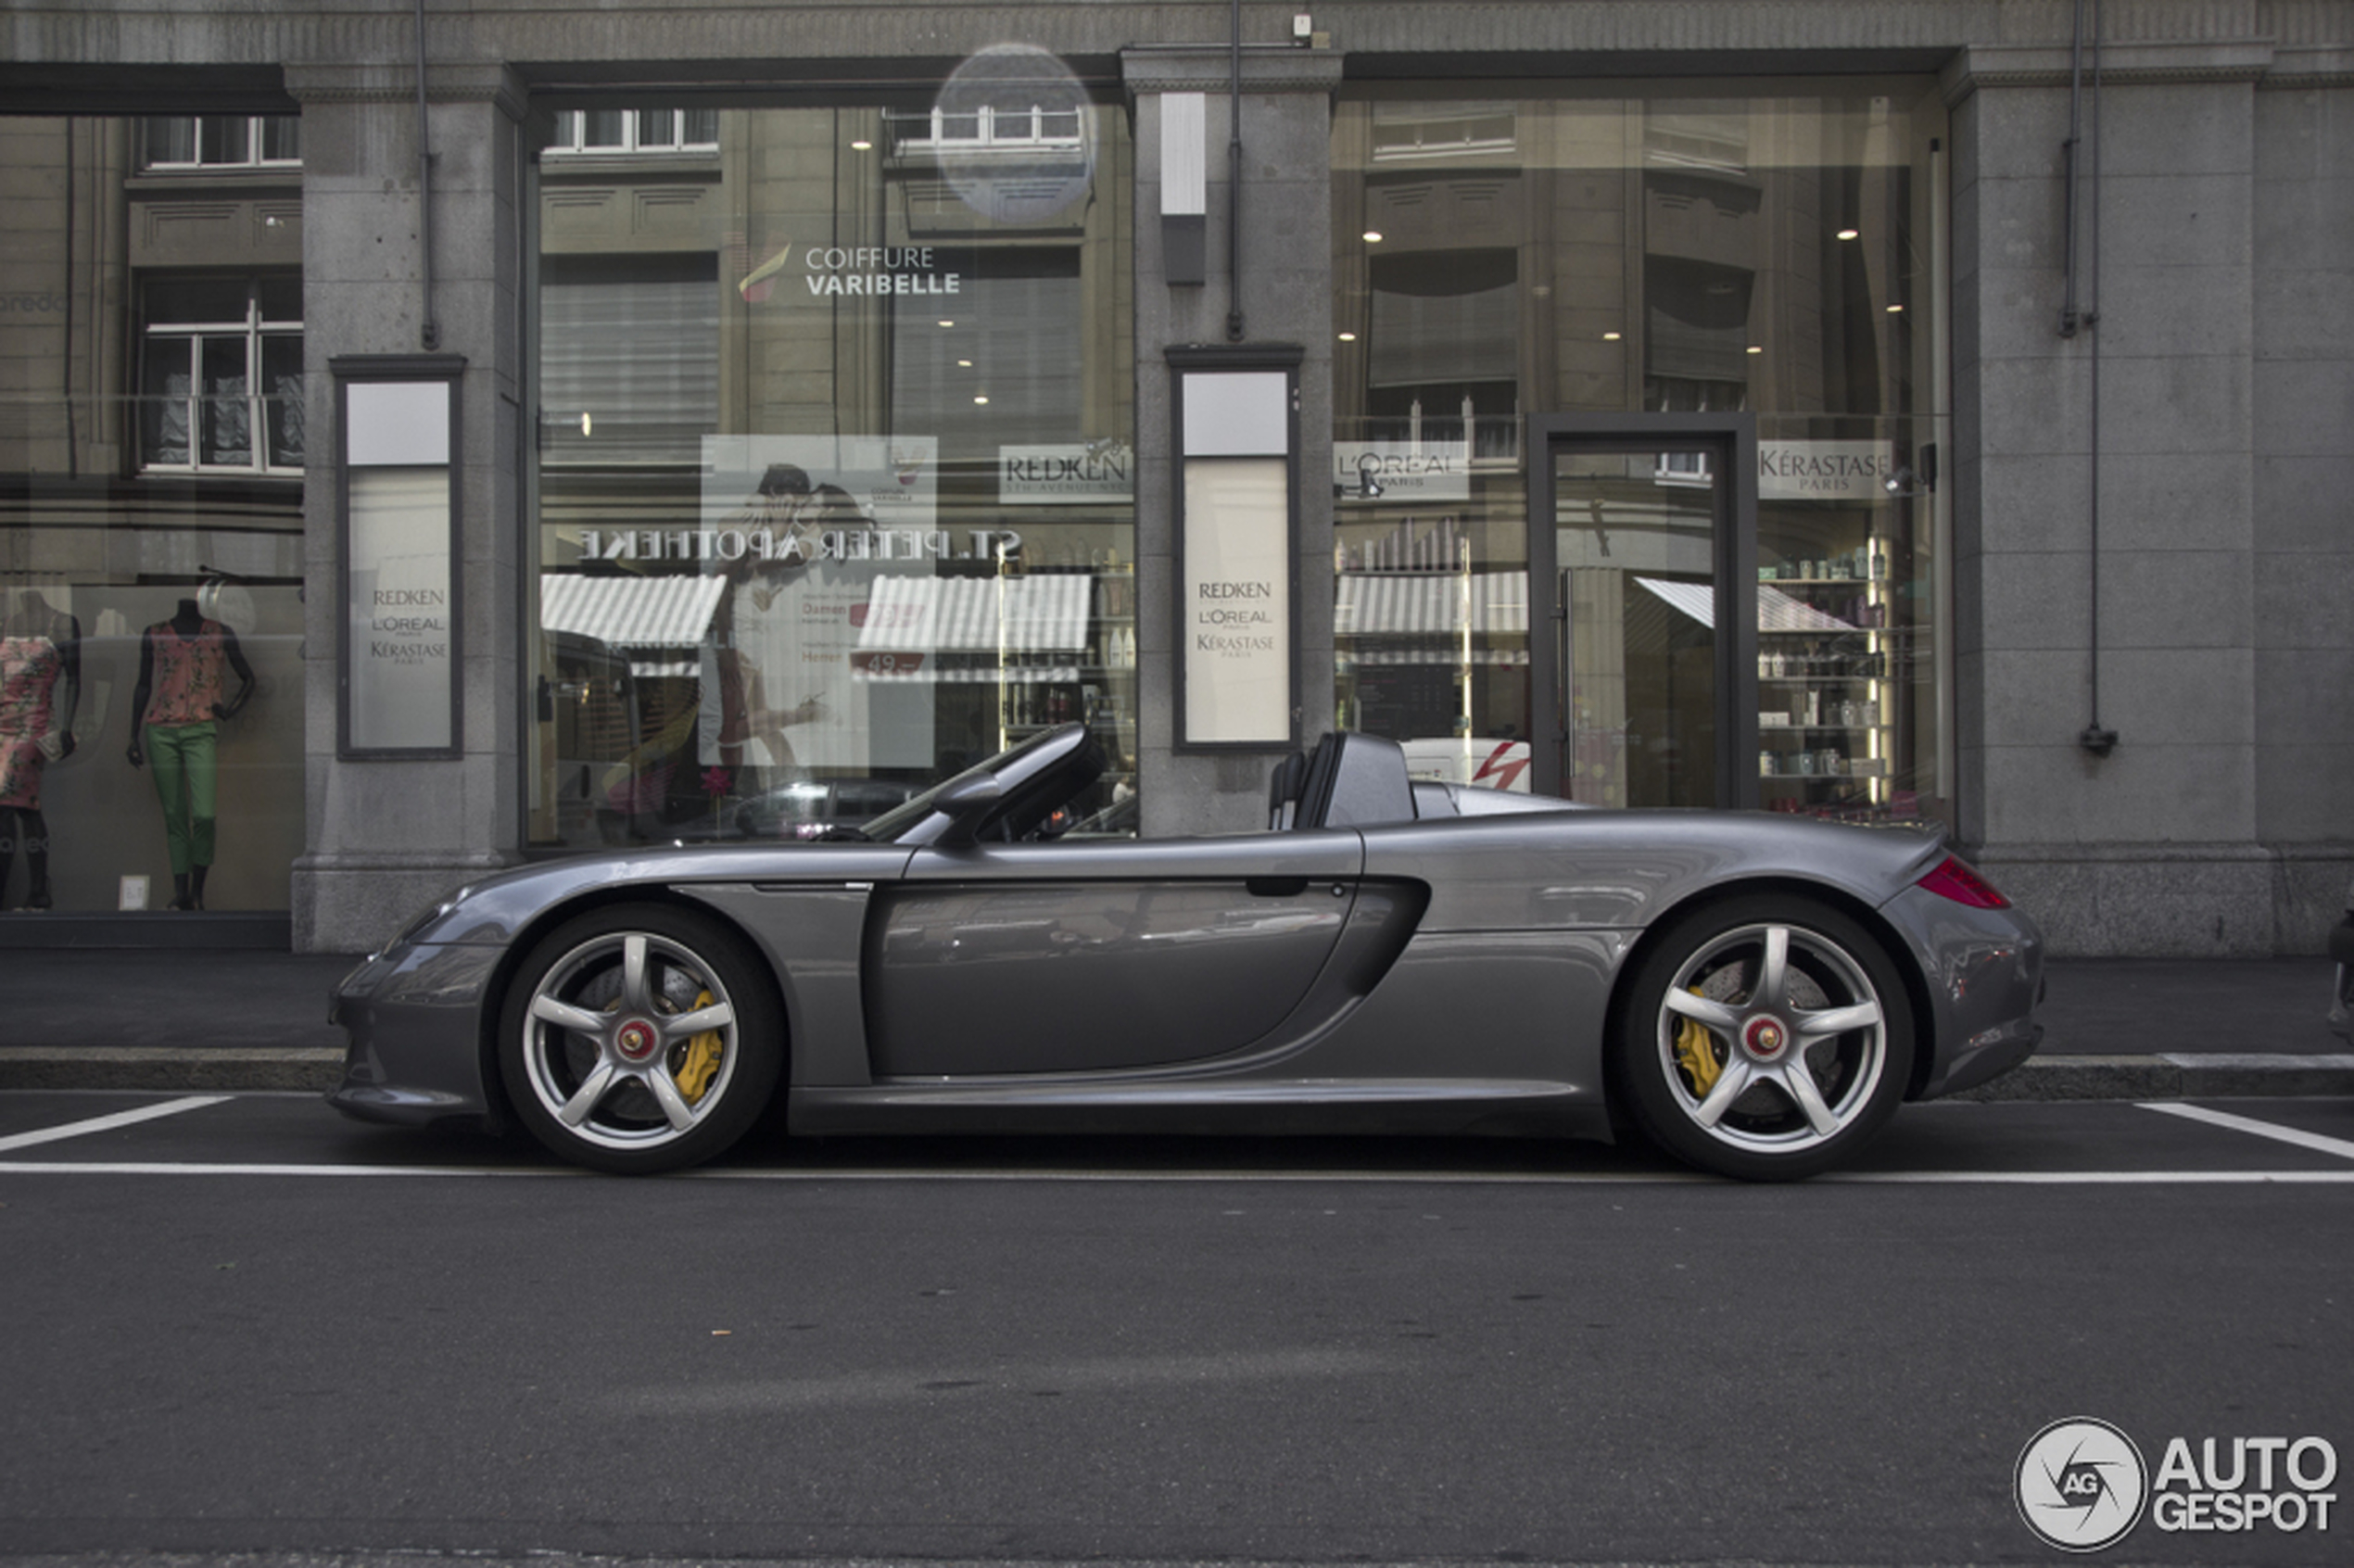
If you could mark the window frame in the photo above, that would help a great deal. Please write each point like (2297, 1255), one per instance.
(254, 332)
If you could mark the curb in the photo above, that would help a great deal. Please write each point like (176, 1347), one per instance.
(2179, 1075)
(235, 1069)
(2171, 1076)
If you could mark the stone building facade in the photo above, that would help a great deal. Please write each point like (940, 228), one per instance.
(695, 420)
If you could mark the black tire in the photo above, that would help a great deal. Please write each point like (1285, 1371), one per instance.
(1757, 1080)
(608, 1078)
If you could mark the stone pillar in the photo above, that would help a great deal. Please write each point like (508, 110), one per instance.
(385, 838)
(2304, 414)
(1286, 298)
(2154, 848)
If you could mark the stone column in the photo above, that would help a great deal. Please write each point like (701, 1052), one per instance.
(2153, 848)
(385, 838)
(1286, 298)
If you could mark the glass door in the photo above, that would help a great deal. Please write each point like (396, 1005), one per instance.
(1651, 683)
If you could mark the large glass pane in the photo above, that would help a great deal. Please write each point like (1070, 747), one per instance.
(834, 481)
(282, 399)
(1759, 247)
(1634, 538)
(1431, 623)
(166, 376)
(123, 567)
(225, 419)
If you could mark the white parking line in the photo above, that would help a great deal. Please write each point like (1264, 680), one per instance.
(2317, 1142)
(1354, 1178)
(106, 1124)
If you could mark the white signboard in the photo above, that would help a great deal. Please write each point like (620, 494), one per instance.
(402, 615)
(1233, 622)
(1066, 475)
(1847, 471)
(1394, 471)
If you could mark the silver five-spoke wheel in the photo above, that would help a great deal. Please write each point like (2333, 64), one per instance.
(1765, 1038)
(639, 1039)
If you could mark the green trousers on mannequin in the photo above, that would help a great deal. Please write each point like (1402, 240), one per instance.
(184, 757)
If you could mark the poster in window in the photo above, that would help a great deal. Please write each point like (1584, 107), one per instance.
(802, 528)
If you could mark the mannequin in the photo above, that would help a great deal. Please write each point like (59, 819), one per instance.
(39, 685)
(179, 711)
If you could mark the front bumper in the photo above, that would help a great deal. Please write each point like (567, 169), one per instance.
(415, 1022)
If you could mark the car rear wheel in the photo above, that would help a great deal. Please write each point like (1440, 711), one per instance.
(1765, 1039)
(639, 1039)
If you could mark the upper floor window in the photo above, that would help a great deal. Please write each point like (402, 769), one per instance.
(221, 375)
(222, 141)
(1405, 132)
(1017, 122)
(635, 131)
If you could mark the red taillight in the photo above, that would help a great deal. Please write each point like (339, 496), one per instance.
(1953, 878)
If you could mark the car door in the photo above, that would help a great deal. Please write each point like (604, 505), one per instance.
(1102, 955)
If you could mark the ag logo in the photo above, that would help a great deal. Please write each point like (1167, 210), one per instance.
(2081, 1485)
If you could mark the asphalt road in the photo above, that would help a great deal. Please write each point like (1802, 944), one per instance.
(241, 1325)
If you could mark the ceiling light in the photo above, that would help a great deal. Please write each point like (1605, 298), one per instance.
(862, 145)
(1348, 338)
(1757, 349)
(1849, 234)
(964, 364)
(1373, 237)
(980, 397)
(947, 323)
(1896, 309)
(1609, 338)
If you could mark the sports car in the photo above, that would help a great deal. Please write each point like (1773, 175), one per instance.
(1755, 994)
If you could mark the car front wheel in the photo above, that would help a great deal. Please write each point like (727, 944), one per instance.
(1765, 1039)
(639, 1039)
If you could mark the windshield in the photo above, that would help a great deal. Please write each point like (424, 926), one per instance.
(887, 828)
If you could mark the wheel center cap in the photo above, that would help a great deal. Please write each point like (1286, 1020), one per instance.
(637, 1040)
(1764, 1037)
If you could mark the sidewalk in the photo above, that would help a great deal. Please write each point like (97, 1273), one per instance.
(2114, 1028)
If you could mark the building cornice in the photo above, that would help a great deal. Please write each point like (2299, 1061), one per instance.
(445, 84)
(1196, 68)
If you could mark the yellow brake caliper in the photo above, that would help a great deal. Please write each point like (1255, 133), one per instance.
(703, 1059)
(1696, 1054)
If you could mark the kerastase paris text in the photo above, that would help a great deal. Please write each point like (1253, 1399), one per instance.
(2235, 1484)
(792, 546)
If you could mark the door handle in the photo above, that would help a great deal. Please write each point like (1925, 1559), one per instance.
(1275, 887)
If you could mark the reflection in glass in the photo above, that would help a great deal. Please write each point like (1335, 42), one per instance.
(1635, 540)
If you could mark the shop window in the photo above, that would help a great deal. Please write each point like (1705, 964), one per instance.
(221, 375)
(171, 143)
(615, 131)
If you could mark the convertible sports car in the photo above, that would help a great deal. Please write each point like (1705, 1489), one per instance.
(1755, 993)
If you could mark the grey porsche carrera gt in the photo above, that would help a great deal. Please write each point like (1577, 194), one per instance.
(1755, 994)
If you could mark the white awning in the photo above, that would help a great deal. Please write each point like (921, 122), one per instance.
(1430, 604)
(1777, 610)
(1027, 614)
(658, 622)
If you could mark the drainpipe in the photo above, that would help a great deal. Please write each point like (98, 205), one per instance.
(2095, 738)
(428, 334)
(1233, 185)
